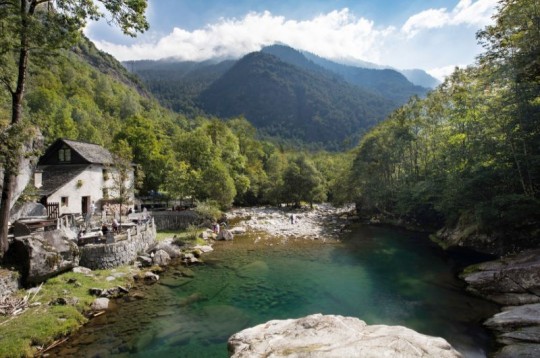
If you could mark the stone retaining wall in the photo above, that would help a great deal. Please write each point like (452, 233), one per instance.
(174, 220)
(9, 282)
(123, 251)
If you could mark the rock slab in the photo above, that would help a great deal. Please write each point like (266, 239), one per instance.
(334, 336)
(513, 280)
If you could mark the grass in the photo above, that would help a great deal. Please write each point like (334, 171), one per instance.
(39, 326)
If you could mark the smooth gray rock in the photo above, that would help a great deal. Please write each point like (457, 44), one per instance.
(170, 248)
(44, 255)
(27, 210)
(515, 317)
(203, 248)
(145, 261)
(225, 235)
(520, 335)
(161, 258)
(189, 258)
(512, 280)
(83, 270)
(150, 277)
(519, 350)
(334, 336)
(100, 304)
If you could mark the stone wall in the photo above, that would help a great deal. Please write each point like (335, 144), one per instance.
(9, 282)
(175, 220)
(123, 251)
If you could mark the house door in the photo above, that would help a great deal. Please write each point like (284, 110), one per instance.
(85, 205)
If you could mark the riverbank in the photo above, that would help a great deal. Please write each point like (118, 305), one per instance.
(514, 283)
(34, 320)
(249, 281)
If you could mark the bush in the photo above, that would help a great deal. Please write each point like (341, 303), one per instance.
(208, 210)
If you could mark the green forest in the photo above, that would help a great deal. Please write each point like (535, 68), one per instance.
(85, 94)
(466, 156)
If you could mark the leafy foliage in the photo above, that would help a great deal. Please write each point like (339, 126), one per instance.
(224, 162)
(470, 151)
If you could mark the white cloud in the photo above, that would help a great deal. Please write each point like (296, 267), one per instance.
(337, 34)
(441, 72)
(466, 12)
(435, 39)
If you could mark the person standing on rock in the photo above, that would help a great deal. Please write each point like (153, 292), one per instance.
(293, 219)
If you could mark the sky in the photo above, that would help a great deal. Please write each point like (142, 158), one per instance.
(433, 35)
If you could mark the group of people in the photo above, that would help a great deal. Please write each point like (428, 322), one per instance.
(115, 227)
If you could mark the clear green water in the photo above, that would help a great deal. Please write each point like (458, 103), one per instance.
(380, 275)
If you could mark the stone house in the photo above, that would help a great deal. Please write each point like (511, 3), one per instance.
(79, 177)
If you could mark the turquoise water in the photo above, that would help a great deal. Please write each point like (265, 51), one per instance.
(380, 275)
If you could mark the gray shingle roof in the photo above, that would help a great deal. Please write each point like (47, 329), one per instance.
(93, 153)
(55, 176)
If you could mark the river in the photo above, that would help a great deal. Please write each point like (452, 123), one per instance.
(380, 275)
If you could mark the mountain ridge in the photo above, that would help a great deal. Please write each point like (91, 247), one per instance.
(282, 92)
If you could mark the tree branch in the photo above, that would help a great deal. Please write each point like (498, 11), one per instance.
(7, 84)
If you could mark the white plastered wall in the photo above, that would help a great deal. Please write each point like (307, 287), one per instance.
(88, 183)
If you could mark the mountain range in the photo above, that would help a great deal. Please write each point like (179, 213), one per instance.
(287, 94)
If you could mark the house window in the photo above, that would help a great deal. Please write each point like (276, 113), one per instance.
(64, 155)
(105, 193)
(105, 174)
(64, 201)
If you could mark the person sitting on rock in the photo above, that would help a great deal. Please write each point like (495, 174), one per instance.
(115, 225)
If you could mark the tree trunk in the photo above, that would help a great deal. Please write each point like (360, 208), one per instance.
(7, 195)
(10, 170)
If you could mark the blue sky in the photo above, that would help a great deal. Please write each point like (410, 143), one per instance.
(434, 35)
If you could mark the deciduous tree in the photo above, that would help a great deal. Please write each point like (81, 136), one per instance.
(34, 29)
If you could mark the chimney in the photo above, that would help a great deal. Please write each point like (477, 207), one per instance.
(38, 178)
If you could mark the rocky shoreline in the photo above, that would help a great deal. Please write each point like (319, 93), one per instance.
(514, 283)
(323, 222)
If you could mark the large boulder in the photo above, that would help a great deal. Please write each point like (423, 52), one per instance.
(167, 245)
(27, 210)
(100, 304)
(161, 258)
(512, 280)
(518, 328)
(225, 235)
(43, 255)
(334, 336)
(513, 318)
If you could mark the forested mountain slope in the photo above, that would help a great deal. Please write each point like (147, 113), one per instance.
(324, 107)
(177, 84)
(285, 101)
(385, 82)
(467, 157)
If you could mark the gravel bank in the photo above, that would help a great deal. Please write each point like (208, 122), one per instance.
(320, 223)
